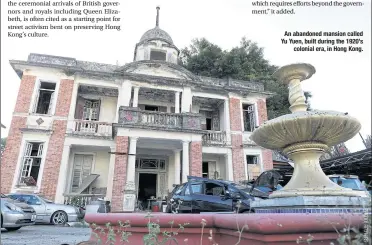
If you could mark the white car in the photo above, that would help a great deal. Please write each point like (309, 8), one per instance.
(48, 211)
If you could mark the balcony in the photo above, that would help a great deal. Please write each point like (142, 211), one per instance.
(90, 128)
(154, 119)
(216, 138)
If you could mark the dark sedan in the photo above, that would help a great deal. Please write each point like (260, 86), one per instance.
(206, 195)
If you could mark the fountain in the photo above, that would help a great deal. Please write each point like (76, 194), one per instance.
(304, 136)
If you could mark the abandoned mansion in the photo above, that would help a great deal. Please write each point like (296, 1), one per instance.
(129, 132)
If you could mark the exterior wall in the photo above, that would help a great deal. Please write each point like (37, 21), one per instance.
(195, 158)
(64, 97)
(25, 93)
(57, 139)
(237, 139)
(108, 109)
(12, 150)
(143, 51)
(262, 111)
(267, 159)
(101, 167)
(142, 102)
(120, 173)
(53, 159)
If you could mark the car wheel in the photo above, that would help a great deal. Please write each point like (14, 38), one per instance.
(13, 228)
(59, 218)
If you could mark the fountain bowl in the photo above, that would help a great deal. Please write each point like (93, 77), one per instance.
(326, 128)
(301, 71)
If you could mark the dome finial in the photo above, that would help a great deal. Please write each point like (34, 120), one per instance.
(157, 16)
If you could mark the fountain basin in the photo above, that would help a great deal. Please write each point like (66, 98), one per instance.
(325, 127)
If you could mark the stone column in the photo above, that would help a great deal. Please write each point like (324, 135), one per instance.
(186, 100)
(229, 166)
(110, 176)
(124, 96)
(130, 186)
(177, 166)
(227, 120)
(177, 102)
(135, 97)
(185, 160)
(62, 178)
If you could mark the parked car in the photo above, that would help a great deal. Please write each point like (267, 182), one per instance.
(15, 215)
(48, 211)
(349, 181)
(206, 195)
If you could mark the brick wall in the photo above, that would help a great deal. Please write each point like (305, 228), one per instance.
(195, 158)
(262, 111)
(267, 159)
(238, 157)
(120, 174)
(9, 159)
(235, 114)
(237, 139)
(53, 159)
(64, 97)
(25, 92)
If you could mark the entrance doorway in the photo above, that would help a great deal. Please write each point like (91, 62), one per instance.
(146, 187)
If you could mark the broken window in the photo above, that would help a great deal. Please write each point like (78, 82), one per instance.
(249, 118)
(157, 55)
(45, 98)
(252, 159)
(31, 162)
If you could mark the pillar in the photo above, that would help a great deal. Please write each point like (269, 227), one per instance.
(75, 89)
(177, 167)
(226, 117)
(177, 102)
(186, 100)
(124, 97)
(185, 160)
(130, 186)
(135, 97)
(196, 165)
(63, 176)
(110, 175)
(120, 173)
(229, 166)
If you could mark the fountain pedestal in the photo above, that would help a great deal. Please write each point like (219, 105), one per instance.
(304, 136)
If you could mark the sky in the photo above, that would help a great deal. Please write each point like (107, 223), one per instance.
(342, 81)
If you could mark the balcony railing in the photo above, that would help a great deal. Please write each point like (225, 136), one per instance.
(216, 138)
(81, 200)
(93, 128)
(140, 118)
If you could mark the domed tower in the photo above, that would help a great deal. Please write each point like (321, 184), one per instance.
(156, 44)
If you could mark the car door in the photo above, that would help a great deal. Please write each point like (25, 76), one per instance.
(182, 199)
(214, 198)
(38, 205)
(196, 196)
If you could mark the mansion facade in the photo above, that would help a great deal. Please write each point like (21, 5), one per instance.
(129, 132)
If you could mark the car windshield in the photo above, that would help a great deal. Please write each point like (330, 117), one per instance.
(44, 199)
(247, 189)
